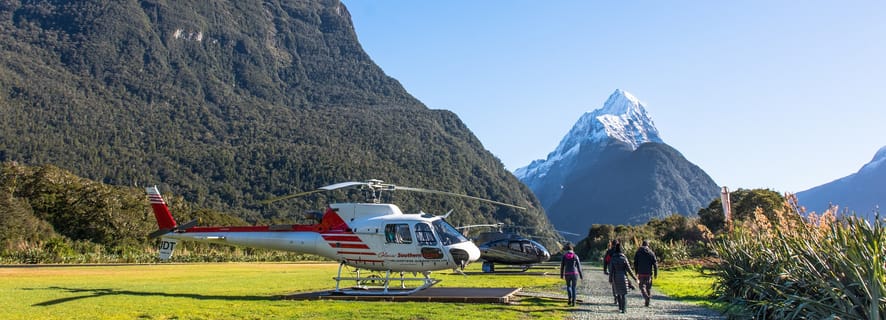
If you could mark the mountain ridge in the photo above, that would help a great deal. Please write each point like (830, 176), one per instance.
(231, 103)
(622, 118)
(614, 168)
(860, 193)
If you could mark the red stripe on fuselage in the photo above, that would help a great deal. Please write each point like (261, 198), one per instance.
(342, 238)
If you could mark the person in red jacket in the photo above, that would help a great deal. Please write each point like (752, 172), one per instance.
(570, 269)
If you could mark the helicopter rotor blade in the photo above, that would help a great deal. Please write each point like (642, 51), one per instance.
(290, 196)
(458, 195)
(321, 189)
(491, 225)
(568, 233)
(379, 185)
(342, 185)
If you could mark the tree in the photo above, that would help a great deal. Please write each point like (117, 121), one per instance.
(596, 242)
(744, 204)
(712, 217)
(676, 227)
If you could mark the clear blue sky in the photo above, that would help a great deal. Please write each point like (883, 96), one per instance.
(785, 95)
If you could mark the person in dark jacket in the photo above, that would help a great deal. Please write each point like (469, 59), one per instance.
(570, 269)
(619, 270)
(607, 257)
(647, 268)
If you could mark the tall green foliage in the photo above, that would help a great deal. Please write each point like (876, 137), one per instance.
(817, 269)
(674, 239)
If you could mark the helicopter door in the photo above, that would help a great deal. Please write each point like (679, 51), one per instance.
(425, 237)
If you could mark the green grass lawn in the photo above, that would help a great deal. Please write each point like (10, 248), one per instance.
(236, 291)
(687, 284)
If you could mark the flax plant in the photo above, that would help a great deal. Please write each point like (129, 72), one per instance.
(818, 267)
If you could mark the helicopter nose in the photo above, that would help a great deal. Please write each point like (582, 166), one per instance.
(544, 255)
(473, 252)
(465, 252)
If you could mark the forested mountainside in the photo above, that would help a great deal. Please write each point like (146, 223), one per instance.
(43, 203)
(228, 103)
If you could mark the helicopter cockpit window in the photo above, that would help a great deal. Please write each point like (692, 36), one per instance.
(448, 233)
(529, 248)
(398, 233)
(514, 245)
(424, 235)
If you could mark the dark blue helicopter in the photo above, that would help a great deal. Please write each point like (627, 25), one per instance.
(508, 248)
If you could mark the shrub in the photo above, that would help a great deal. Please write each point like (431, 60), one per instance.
(816, 269)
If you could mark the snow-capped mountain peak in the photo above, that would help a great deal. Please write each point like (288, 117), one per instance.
(606, 171)
(622, 118)
(620, 102)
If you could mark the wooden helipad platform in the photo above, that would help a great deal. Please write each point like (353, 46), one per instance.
(462, 295)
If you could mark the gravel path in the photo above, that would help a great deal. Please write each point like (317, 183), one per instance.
(597, 302)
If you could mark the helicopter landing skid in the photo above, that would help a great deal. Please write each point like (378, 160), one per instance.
(381, 286)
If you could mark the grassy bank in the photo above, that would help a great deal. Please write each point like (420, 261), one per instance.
(688, 284)
(234, 291)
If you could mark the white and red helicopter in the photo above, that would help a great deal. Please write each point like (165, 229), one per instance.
(374, 236)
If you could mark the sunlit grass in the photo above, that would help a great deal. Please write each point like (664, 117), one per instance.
(688, 284)
(235, 291)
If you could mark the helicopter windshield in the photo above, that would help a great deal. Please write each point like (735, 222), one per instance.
(448, 234)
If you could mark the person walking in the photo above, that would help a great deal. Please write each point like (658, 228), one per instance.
(607, 257)
(647, 268)
(619, 269)
(570, 269)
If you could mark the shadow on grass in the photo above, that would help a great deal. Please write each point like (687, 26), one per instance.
(94, 293)
(539, 304)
